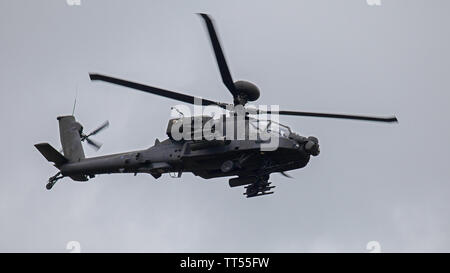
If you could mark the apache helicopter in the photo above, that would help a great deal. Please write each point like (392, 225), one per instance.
(242, 159)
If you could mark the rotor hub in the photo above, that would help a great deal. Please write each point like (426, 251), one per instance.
(247, 91)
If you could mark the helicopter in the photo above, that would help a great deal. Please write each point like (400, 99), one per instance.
(244, 159)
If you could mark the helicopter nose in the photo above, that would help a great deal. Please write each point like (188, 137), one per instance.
(312, 146)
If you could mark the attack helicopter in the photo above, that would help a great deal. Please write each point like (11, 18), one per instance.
(246, 159)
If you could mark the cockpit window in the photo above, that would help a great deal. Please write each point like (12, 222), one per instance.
(270, 126)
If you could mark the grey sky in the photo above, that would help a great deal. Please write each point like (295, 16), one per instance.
(383, 182)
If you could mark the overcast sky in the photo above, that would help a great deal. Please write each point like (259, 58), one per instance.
(372, 182)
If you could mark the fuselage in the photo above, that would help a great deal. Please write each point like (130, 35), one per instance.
(246, 153)
(202, 158)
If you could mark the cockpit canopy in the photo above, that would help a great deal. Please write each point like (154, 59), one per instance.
(271, 127)
(193, 127)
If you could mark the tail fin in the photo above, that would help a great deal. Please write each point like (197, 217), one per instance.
(70, 134)
(51, 154)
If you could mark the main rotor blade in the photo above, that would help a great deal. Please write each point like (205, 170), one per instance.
(101, 127)
(154, 90)
(220, 57)
(327, 115)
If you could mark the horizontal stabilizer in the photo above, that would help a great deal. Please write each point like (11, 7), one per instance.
(51, 154)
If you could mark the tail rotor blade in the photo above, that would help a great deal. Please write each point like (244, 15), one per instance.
(96, 145)
(100, 128)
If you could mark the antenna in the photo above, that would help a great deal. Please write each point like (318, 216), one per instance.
(178, 111)
(75, 100)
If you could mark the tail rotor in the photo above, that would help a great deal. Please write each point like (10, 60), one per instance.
(86, 137)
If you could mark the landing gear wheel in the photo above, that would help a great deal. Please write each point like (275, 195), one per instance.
(52, 180)
(251, 191)
(49, 185)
